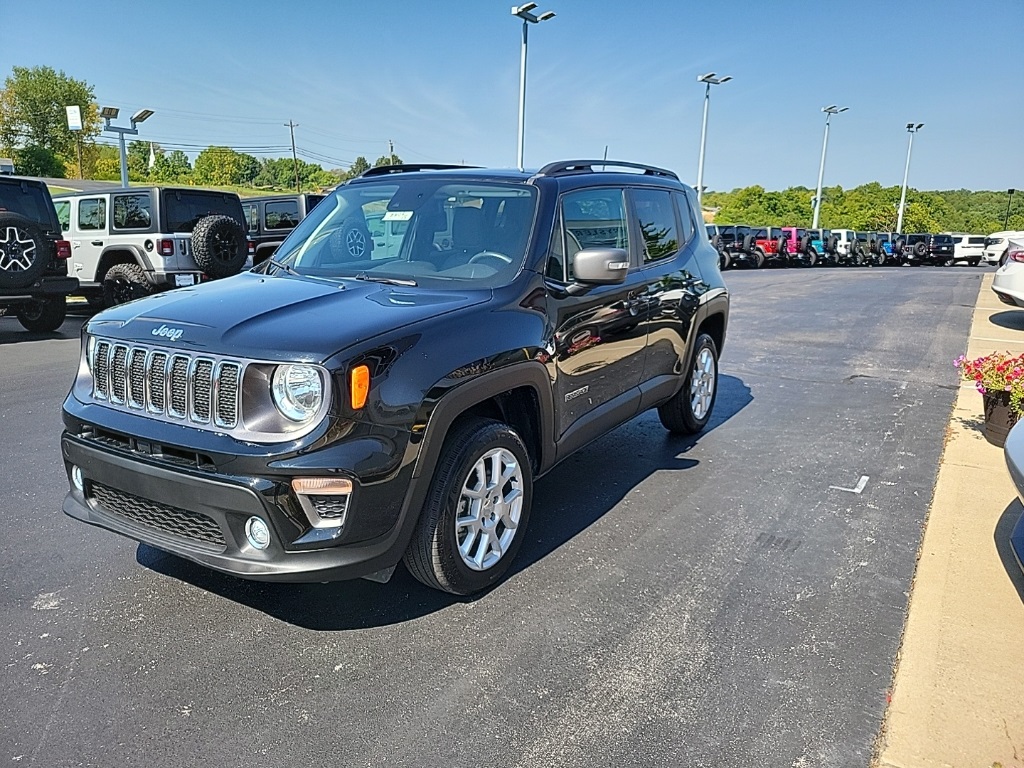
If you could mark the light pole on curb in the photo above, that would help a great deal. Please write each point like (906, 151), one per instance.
(110, 113)
(830, 110)
(711, 78)
(1009, 199)
(525, 12)
(912, 128)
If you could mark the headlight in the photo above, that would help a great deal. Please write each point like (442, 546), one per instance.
(298, 391)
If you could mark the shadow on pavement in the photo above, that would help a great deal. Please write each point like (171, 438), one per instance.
(12, 332)
(567, 501)
(1012, 319)
(1001, 535)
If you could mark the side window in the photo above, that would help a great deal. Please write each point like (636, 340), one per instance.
(63, 208)
(92, 214)
(555, 267)
(283, 214)
(685, 218)
(132, 212)
(252, 216)
(657, 218)
(590, 218)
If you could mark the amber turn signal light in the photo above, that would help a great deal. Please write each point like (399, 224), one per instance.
(359, 385)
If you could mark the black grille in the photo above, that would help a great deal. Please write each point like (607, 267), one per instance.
(179, 386)
(202, 382)
(330, 507)
(163, 517)
(227, 395)
(100, 367)
(118, 388)
(137, 378)
(157, 398)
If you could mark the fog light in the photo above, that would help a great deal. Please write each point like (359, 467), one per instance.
(77, 479)
(257, 532)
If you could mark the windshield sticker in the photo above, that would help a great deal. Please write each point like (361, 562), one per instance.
(397, 216)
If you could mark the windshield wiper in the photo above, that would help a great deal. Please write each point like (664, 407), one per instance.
(388, 280)
(268, 263)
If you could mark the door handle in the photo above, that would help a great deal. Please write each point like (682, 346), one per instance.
(97, 242)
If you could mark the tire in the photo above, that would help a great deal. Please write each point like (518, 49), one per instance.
(689, 410)
(879, 260)
(219, 247)
(24, 251)
(832, 246)
(759, 258)
(43, 315)
(748, 243)
(124, 283)
(96, 301)
(974, 262)
(716, 241)
(782, 247)
(874, 247)
(898, 247)
(805, 244)
(920, 250)
(949, 262)
(812, 255)
(433, 557)
(351, 241)
(724, 261)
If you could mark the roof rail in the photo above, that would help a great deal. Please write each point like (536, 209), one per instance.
(384, 170)
(563, 167)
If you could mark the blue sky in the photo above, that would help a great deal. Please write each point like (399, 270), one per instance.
(441, 79)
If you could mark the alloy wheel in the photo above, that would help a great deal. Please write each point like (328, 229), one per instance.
(702, 383)
(490, 508)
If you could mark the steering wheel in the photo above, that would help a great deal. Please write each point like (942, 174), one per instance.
(490, 255)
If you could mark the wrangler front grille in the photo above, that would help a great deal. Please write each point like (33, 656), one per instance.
(201, 390)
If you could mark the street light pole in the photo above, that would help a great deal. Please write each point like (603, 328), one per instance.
(111, 113)
(911, 129)
(524, 12)
(709, 79)
(830, 110)
(1009, 199)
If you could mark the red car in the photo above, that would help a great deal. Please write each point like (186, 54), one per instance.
(798, 246)
(769, 245)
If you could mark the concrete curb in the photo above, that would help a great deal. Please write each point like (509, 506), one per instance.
(958, 692)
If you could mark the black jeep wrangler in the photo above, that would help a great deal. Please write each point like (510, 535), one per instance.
(324, 417)
(34, 280)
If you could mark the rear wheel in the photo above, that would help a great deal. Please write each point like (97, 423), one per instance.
(974, 262)
(949, 262)
(124, 283)
(724, 261)
(690, 408)
(879, 259)
(475, 515)
(43, 315)
(759, 258)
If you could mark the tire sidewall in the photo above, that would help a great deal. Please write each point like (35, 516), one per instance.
(43, 251)
(468, 445)
(208, 235)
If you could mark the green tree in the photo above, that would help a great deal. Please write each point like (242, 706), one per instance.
(223, 166)
(38, 161)
(391, 159)
(172, 167)
(103, 162)
(32, 111)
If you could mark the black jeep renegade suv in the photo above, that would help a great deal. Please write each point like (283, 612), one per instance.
(323, 417)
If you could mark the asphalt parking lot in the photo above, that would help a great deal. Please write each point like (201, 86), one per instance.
(737, 599)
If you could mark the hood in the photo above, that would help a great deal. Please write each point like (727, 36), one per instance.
(275, 317)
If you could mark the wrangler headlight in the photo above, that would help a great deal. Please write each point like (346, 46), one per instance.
(298, 391)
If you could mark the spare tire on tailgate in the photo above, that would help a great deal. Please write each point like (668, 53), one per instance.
(24, 251)
(218, 244)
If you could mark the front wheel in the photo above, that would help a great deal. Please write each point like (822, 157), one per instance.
(475, 515)
(974, 262)
(949, 262)
(689, 410)
(43, 315)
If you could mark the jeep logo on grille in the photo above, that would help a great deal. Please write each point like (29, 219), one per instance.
(171, 334)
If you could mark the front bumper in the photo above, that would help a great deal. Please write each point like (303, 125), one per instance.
(201, 516)
(1014, 453)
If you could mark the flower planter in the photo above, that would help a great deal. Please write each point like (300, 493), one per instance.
(999, 419)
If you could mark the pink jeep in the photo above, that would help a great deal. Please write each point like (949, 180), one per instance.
(799, 250)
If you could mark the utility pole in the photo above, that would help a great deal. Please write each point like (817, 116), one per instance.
(1009, 199)
(78, 136)
(391, 152)
(295, 158)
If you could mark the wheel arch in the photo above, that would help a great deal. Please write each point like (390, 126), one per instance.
(120, 254)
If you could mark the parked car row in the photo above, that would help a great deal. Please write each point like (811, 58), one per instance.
(757, 247)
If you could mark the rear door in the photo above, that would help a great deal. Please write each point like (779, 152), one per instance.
(89, 235)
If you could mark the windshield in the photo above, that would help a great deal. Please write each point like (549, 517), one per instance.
(423, 229)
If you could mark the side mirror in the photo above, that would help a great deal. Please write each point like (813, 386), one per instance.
(600, 266)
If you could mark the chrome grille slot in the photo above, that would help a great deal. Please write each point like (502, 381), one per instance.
(177, 381)
(180, 386)
(137, 378)
(227, 392)
(118, 374)
(101, 371)
(202, 389)
(156, 382)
